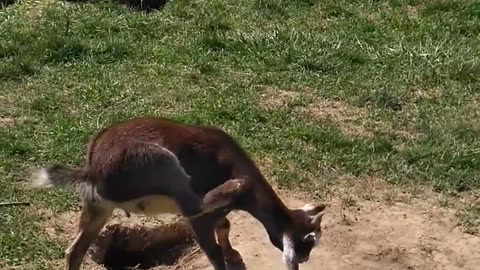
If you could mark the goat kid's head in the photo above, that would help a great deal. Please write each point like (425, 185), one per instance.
(304, 234)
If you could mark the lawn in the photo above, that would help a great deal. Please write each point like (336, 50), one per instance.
(314, 90)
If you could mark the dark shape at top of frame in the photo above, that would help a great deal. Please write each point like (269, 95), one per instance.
(141, 5)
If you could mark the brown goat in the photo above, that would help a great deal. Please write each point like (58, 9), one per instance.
(153, 166)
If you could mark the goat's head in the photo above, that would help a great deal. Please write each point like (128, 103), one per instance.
(303, 234)
(296, 237)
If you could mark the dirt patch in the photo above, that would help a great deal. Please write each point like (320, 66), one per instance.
(379, 236)
(360, 232)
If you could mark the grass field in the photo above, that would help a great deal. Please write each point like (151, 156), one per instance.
(318, 90)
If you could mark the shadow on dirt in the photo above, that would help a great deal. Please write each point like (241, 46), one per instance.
(122, 248)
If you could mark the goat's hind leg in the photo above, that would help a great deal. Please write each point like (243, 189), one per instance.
(92, 219)
(227, 194)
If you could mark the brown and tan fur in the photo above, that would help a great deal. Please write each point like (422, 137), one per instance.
(153, 166)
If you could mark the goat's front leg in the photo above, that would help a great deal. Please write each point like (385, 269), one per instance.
(204, 230)
(222, 229)
(204, 219)
(203, 227)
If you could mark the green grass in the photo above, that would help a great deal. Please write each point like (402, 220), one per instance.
(413, 67)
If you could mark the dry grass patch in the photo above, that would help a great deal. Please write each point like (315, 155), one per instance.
(274, 98)
(34, 9)
(350, 120)
(335, 110)
(10, 121)
(354, 121)
(347, 118)
(371, 16)
(418, 94)
(471, 111)
(6, 121)
(412, 11)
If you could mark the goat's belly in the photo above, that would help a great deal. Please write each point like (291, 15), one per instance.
(151, 205)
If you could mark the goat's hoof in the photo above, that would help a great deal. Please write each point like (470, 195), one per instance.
(233, 257)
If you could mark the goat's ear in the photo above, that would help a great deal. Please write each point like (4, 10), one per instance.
(317, 220)
(313, 209)
(225, 193)
(236, 186)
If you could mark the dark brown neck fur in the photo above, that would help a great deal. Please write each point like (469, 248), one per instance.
(264, 203)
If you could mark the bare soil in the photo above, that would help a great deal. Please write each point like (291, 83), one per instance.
(358, 233)
(370, 235)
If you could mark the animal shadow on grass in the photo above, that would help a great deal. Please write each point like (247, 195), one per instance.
(141, 5)
(5, 3)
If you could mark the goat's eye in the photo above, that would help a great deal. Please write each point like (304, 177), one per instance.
(309, 238)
